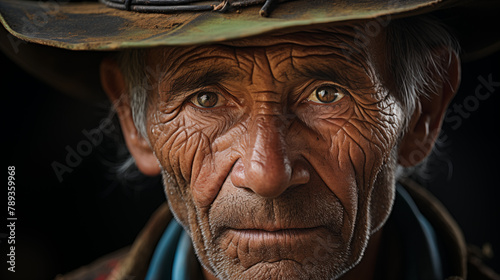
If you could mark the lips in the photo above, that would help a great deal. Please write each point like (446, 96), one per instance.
(276, 227)
(281, 237)
(276, 231)
(257, 245)
(276, 234)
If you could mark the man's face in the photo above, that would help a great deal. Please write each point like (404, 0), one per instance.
(278, 153)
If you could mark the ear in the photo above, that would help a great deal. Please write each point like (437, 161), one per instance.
(115, 87)
(425, 124)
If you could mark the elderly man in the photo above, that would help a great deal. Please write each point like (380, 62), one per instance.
(280, 150)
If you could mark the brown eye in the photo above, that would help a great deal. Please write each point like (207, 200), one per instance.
(206, 99)
(327, 94)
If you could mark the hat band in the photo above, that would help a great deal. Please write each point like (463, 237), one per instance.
(174, 6)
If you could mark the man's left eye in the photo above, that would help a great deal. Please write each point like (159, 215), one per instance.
(207, 99)
(327, 94)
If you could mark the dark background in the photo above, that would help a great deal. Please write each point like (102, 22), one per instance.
(64, 225)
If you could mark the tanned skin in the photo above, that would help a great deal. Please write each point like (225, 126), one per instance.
(279, 152)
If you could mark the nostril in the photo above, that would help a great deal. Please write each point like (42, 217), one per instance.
(238, 174)
(269, 181)
(300, 174)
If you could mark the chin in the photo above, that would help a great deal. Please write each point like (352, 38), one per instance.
(322, 256)
(282, 269)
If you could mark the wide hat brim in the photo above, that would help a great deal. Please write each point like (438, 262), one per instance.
(91, 27)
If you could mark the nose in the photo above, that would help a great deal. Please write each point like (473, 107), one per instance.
(266, 167)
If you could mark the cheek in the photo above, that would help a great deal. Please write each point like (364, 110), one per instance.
(351, 147)
(383, 194)
(193, 150)
(367, 138)
(174, 148)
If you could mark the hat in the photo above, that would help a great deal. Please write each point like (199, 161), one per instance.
(67, 40)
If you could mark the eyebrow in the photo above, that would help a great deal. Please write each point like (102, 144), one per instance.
(324, 72)
(195, 78)
(332, 73)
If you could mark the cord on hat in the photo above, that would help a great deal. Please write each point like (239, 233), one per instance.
(173, 6)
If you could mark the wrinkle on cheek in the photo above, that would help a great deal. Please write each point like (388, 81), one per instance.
(210, 170)
(169, 141)
(190, 145)
(358, 144)
(168, 112)
(214, 126)
(171, 154)
(376, 118)
(364, 150)
(324, 124)
(345, 166)
(204, 162)
(380, 123)
(195, 145)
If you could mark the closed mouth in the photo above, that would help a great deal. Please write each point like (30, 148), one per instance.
(276, 233)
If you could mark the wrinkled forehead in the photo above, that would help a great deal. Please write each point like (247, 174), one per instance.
(347, 45)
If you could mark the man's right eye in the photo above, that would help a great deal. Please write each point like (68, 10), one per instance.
(207, 99)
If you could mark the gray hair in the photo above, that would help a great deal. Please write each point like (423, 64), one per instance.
(412, 63)
(132, 63)
(133, 66)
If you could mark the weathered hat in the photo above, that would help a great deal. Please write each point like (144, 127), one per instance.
(54, 30)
